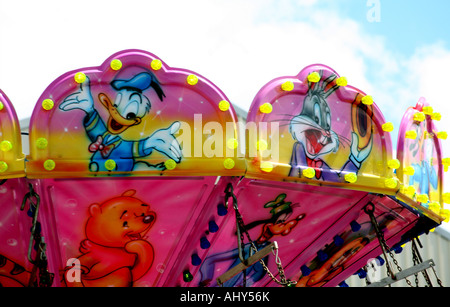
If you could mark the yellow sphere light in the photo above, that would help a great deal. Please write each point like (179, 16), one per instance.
(261, 145)
(192, 79)
(409, 170)
(367, 100)
(314, 77)
(422, 198)
(266, 166)
(309, 173)
(49, 165)
(224, 105)
(266, 108)
(156, 64)
(411, 134)
(287, 86)
(351, 177)
(419, 117)
(394, 163)
(387, 127)
(229, 163)
(110, 164)
(48, 104)
(116, 64)
(390, 183)
(428, 110)
(170, 164)
(6, 146)
(3, 167)
(232, 143)
(80, 77)
(442, 135)
(41, 143)
(342, 81)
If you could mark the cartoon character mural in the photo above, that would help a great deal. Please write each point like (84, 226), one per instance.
(279, 223)
(127, 110)
(116, 251)
(345, 247)
(421, 156)
(314, 136)
(13, 274)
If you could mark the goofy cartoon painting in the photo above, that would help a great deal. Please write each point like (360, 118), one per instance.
(127, 110)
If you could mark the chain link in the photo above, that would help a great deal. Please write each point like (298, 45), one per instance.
(40, 262)
(242, 229)
(370, 209)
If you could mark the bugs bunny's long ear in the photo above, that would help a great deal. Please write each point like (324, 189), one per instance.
(331, 79)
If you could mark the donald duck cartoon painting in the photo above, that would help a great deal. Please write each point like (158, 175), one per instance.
(126, 110)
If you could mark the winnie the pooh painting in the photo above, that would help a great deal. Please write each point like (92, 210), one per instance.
(115, 251)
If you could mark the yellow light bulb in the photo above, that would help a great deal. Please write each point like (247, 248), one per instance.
(351, 177)
(409, 170)
(49, 165)
(442, 135)
(224, 105)
(428, 110)
(266, 166)
(116, 64)
(192, 79)
(232, 143)
(41, 143)
(367, 100)
(314, 77)
(445, 213)
(410, 191)
(309, 173)
(387, 127)
(435, 207)
(110, 164)
(287, 86)
(390, 183)
(170, 164)
(156, 64)
(229, 163)
(422, 198)
(446, 198)
(261, 145)
(394, 163)
(411, 134)
(419, 117)
(48, 104)
(342, 81)
(80, 77)
(3, 167)
(436, 116)
(6, 146)
(266, 108)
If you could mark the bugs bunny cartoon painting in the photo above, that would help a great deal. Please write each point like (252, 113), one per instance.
(314, 136)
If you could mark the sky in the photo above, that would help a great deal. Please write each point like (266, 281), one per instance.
(395, 50)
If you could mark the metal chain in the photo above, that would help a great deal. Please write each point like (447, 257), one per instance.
(383, 244)
(240, 224)
(40, 262)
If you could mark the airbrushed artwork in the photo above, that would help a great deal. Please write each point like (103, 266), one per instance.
(142, 175)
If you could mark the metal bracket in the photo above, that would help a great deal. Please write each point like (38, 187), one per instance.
(248, 262)
(404, 274)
